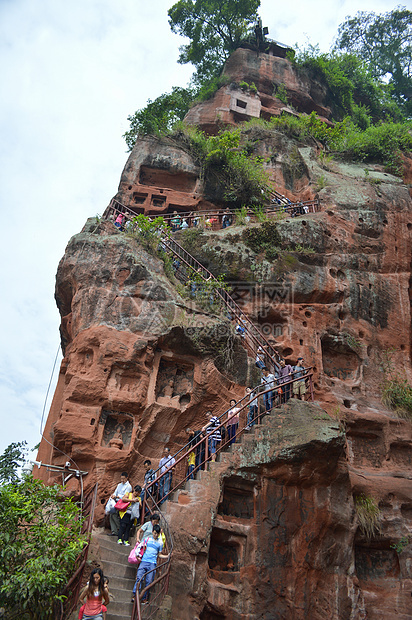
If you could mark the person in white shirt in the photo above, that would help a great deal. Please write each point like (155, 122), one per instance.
(253, 407)
(122, 488)
(232, 421)
(268, 381)
(165, 481)
(260, 357)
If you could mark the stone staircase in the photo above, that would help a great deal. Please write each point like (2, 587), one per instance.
(121, 574)
(114, 557)
(193, 488)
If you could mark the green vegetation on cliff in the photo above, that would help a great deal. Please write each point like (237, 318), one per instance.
(367, 77)
(40, 539)
(214, 28)
(384, 43)
(395, 388)
(232, 173)
(368, 514)
(382, 143)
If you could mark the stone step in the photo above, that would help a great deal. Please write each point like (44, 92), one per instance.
(192, 485)
(122, 610)
(226, 457)
(119, 583)
(110, 545)
(124, 594)
(247, 439)
(202, 474)
(122, 570)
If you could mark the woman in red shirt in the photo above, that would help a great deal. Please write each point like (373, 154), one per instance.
(94, 594)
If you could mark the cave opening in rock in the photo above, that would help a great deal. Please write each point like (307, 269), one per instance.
(209, 614)
(224, 551)
(376, 562)
(174, 379)
(117, 429)
(238, 499)
(339, 359)
(161, 177)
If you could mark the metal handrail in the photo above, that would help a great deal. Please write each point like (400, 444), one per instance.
(256, 339)
(285, 206)
(251, 331)
(159, 586)
(72, 588)
(181, 455)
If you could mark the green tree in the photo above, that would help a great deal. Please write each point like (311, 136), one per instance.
(159, 115)
(384, 42)
(215, 29)
(11, 460)
(352, 89)
(40, 539)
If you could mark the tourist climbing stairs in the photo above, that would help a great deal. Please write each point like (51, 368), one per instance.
(201, 446)
(122, 576)
(251, 335)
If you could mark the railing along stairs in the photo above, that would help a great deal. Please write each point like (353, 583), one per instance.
(73, 586)
(213, 219)
(179, 473)
(251, 335)
(159, 586)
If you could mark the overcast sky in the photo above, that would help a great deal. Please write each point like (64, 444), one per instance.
(70, 74)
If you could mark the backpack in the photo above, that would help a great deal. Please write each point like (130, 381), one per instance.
(138, 551)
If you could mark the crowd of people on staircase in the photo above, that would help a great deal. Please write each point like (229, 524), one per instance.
(278, 383)
(209, 221)
(218, 432)
(150, 542)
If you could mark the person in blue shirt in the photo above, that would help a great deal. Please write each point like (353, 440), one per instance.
(147, 567)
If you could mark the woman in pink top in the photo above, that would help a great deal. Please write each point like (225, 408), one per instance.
(232, 421)
(119, 221)
(94, 594)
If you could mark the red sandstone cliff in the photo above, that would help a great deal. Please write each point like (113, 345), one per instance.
(270, 532)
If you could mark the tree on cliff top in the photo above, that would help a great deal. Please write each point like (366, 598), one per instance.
(159, 115)
(215, 29)
(384, 43)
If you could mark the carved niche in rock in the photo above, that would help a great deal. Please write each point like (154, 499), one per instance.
(123, 377)
(226, 553)
(174, 383)
(238, 499)
(339, 359)
(117, 429)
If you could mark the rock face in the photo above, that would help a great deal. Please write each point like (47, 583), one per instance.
(270, 531)
(159, 177)
(270, 75)
(132, 379)
(253, 533)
